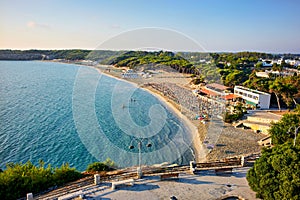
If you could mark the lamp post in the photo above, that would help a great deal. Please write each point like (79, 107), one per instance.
(139, 169)
(296, 132)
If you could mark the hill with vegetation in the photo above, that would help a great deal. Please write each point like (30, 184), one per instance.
(72, 54)
(229, 69)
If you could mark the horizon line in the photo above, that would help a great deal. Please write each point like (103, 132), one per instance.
(213, 51)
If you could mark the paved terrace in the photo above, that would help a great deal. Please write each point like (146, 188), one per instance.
(204, 184)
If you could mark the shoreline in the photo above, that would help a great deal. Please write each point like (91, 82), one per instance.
(188, 125)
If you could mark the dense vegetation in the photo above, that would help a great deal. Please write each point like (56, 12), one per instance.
(133, 59)
(229, 69)
(19, 179)
(285, 89)
(283, 131)
(276, 174)
(73, 54)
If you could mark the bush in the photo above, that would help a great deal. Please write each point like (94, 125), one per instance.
(107, 165)
(97, 167)
(110, 163)
(65, 174)
(19, 179)
(229, 118)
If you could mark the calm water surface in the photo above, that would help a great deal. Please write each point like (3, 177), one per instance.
(64, 113)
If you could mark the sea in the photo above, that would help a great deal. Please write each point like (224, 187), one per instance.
(66, 113)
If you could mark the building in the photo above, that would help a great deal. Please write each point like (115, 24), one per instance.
(260, 121)
(217, 88)
(253, 97)
(218, 92)
(262, 74)
(266, 73)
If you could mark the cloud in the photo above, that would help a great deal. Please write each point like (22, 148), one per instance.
(33, 24)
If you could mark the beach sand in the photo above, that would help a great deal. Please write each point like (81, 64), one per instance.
(227, 140)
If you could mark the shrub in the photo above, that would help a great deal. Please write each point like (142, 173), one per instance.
(107, 165)
(19, 179)
(65, 174)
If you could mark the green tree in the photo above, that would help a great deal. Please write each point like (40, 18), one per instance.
(276, 174)
(276, 87)
(258, 66)
(280, 131)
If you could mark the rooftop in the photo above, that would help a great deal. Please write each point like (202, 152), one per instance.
(217, 86)
(230, 96)
(251, 90)
(207, 92)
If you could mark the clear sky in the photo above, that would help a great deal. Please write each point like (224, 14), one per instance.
(218, 25)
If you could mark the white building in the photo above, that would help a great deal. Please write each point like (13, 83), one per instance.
(262, 74)
(290, 62)
(253, 97)
(266, 73)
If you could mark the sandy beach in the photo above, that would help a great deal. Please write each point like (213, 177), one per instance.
(227, 140)
(191, 128)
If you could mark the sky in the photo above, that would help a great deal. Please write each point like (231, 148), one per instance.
(215, 25)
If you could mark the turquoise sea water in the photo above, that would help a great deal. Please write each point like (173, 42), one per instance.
(67, 113)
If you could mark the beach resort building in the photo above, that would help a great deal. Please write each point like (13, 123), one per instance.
(253, 97)
(221, 92)
(215, 90)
